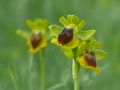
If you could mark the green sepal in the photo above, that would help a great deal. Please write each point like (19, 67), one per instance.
(100, 54)
(30, 23)
(81, 24)
(97, 44)
(42, 23)
(63, 21)
(55, 30)
(85, 35)
(73, 19)
(37, 24)
(68, 52)
(81, 48)
(92, 43)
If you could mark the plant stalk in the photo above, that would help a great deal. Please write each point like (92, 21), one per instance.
(30, 71)
(75, 74)
(42, 69)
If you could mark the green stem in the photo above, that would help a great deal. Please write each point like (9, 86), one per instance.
(75, 74)
(42, 70)
(30, 71)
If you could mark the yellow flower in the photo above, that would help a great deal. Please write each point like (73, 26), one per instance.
(36, 39)
(69, 42)
(66, 37)
(88, 60)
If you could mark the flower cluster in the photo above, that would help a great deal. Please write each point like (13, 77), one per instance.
(77, 43)
(36, 37)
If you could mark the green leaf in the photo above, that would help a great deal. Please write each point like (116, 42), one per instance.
(63, 21)
(55, 29)
(68, 52)
(85, 35)
(100, 54)
(57, 86)
(73, 19)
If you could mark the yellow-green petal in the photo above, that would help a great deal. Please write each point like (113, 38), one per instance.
(37, 24)
(81, 24)
(23, 33)
(63, 21)
(55, 30)
(72, 19)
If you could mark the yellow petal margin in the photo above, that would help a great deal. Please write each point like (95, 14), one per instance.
(41, 45)
(72, 44)
(83, 63)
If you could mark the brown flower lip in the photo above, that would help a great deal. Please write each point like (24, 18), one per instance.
(90, 58)
(65, 36)
(35, 39)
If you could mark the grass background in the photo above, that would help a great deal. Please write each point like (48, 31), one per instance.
(103, 15)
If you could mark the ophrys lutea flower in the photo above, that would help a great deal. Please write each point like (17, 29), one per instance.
(37, 36)
(66, 36)
(88, 60)
(89, 53)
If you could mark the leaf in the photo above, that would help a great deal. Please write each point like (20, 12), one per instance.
(85, 35)
(68, 52)
(55, 29)
(57, 86)
(63, 21)
(73, 19)
(100, 54)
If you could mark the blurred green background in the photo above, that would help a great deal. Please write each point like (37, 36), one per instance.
(103, 15)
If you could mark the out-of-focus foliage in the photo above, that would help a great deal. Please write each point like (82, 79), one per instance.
(103, 15)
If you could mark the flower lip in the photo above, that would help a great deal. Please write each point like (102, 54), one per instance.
(65, 36)
(35, 39)
(90, 58)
